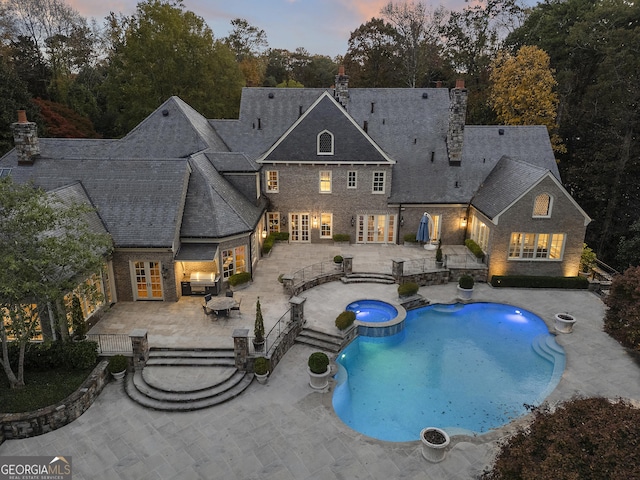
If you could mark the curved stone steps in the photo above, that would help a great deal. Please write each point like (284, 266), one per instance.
(174, 380)
(140, 392)
(382, 278)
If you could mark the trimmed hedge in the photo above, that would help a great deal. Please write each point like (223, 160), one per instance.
(52, 355)
(408, 289)
(281, 236)
(410, 238)
(474, 247)
(239, 278)
(530, 281)
(318, 362)
(261, 366)
(466, 281)
(342, 237)
(345, 319)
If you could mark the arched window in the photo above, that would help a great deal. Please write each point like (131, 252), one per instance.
(325, 143)
(542, 205)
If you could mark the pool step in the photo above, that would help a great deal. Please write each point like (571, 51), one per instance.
(368, 278)
(545, 345)
(321, 340)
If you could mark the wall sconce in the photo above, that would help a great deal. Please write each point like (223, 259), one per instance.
(463, 222)
(402, 221)
(283, 220)
(264, 233)
(315, 221)
(353, 221)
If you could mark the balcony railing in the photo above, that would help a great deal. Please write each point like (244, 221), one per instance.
(112, 344)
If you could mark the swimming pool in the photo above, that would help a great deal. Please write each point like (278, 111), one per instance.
(464, 368)
(373, 311)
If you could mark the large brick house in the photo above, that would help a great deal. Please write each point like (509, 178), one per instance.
(182, 194)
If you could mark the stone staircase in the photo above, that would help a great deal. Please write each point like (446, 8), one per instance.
(185, 380)
(320, 340)
(368, 278)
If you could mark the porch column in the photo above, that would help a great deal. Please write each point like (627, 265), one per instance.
(241, 348)
(397, 268)
(140, 345)
(287, 283)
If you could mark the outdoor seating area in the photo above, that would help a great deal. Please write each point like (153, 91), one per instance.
(220, 306)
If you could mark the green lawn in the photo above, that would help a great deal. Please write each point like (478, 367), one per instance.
(42, 388)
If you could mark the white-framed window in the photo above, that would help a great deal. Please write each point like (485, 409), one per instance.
(536, 246)
(325, 181)
(273, 222)
(480, 233)
(325, 145)
(272, 181)
(233, 261)
(326, 223)
(378, 182)
(352, 179)
(542, 205)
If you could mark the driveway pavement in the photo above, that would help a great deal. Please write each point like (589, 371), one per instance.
(283, 430)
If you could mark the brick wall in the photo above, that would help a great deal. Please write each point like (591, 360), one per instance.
(122, 273)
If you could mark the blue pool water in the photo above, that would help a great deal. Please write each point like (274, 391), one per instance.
(465, 368)
(373, 311)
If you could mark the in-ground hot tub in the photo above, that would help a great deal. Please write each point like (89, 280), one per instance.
(376, 318)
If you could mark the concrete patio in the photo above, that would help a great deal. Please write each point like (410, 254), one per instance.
(284, 430)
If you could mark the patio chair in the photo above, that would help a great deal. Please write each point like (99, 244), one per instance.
(229, 293)
(207, 311)
(237, 305)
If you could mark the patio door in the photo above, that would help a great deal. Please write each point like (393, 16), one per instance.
(147, 280)
(299, 227)
(376, 229)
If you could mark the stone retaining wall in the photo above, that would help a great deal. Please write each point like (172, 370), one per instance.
(38, 422)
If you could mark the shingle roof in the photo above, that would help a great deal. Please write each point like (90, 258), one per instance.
(76, 194)
(213, 207)
(508, 180)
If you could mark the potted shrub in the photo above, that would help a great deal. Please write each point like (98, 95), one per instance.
(465, 287)
(434, 443)
(261, 369)
(258, 329)
(408, 289)
(338, 259)
(564, 322)
(118, 367)
(319, 371)
(439, 262)
(345, 319)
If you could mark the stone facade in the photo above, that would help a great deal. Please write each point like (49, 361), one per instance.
(122, 260)
(30, 424)
(457, 118)
(25, 137)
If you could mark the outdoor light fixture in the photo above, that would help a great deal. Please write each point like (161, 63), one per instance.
(284, 220)
(463, 222)
(353, 221)
(315, 221)
(401, 221)
(264, 233)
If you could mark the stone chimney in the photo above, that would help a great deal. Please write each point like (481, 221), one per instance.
(341, 92)
(457, 117)
(25, 138)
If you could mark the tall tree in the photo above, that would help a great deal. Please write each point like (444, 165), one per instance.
(46, 247)
(249, 44)
(522, 91)
(164, 50)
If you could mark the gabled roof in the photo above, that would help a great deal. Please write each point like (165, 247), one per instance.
(509, 181)
(299, 143)
(76, 194)
(173, 130)
(213, 207)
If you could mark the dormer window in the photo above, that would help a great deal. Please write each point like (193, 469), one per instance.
(542, 205)
(325, 143)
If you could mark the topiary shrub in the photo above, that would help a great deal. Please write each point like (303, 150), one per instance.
(118, 363)
(408, 289)
(591, 438)
(239, 278)
(342, 237)
(622, 320)
(587, 258)
(474, 248)
(261, 366)
(345, 319)
(466, 281)
(77, 319)
(318, 362)
(338, 259)
(439, 252)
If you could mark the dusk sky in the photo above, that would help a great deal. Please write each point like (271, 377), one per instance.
(320, 26)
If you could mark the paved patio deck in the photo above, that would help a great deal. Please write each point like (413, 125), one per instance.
(283, 430)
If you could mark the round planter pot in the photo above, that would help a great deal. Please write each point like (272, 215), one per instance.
(439, 264)
(564, 322)
(262, 379)
(465, 293)
(319, 381)
(118, 376)
(434, 452)
(258, 346)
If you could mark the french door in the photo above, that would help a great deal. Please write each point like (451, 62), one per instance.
(147, 280)
(299, 227)
(376, 229)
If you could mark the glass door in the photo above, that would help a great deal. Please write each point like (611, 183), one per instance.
(299, 227)
(376, 228)
(147, 278)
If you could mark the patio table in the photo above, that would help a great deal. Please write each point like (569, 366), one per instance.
(221, 304)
